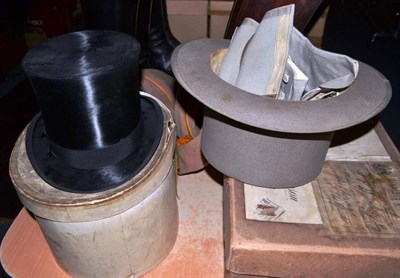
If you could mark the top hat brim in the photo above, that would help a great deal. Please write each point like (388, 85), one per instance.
(368, 95)
(66, 177)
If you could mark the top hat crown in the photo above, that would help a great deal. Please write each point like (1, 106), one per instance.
(95, 130)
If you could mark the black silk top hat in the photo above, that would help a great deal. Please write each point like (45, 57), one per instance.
(95, 130)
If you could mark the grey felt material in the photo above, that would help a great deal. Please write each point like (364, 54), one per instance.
(366, 97)
(257, 60)
(272, 142)
(325, 70)
(262, 157)
(265, 56)
(230, 66)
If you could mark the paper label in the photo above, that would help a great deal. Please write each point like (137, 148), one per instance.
(359, 198)
(291, 205)
(367, 147)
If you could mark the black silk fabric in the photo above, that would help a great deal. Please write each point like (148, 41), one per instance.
(95, 131)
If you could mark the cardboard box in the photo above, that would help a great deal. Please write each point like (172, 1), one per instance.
(188, 19)
(299, 250)
(219, 15)
(267, 248)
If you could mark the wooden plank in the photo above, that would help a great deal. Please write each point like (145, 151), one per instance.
(24, 251)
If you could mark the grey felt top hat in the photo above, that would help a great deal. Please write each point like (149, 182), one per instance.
(264, 141)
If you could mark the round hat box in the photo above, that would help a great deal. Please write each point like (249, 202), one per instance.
(121, 232)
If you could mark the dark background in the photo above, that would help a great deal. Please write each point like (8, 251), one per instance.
(350, 29)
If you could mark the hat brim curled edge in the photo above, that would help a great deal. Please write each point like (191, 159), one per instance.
(369, 95)
(65, 177)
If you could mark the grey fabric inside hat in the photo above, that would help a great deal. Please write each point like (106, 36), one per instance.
(257, 54)
(274, 59)
(229, 68)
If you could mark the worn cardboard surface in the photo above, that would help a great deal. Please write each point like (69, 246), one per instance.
(360, 198)
(299, 250)
(359, 203)
(188, 19)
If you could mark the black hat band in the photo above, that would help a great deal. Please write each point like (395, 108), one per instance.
(97, 158)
